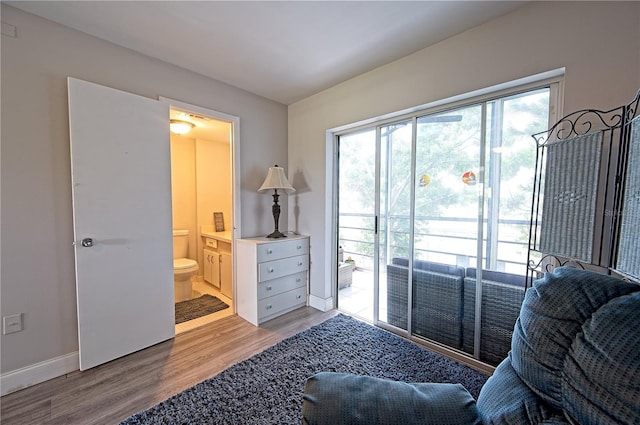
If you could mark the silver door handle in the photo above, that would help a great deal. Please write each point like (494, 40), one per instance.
(87, 242)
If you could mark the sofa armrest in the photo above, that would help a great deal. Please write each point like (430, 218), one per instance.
(337, 398)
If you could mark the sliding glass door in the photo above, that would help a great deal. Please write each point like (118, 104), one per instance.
(449, 164)
(357, 164)
(394, 216)
(434, 214)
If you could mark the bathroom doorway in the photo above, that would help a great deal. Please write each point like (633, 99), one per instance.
(204, 204)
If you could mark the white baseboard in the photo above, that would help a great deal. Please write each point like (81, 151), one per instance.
(31, 375)
(322, 304)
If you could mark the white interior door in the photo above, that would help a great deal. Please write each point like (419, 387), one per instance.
(121, 176)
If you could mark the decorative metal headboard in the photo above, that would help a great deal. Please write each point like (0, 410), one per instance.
(579, 182)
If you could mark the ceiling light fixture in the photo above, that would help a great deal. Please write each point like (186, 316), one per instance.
(180, 127)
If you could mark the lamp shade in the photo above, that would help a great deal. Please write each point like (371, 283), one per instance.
(276, 180)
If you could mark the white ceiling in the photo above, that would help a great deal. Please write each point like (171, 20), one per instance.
(281, 50)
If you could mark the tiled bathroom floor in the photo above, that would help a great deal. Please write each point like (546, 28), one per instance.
(201, 288)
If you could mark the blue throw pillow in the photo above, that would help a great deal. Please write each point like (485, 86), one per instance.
(337, 398)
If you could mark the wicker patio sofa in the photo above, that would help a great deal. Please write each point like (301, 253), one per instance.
(444, 305)
(437, 299)
(502, 295)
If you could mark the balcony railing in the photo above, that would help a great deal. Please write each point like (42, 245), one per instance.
(452, 240)
(443, 301)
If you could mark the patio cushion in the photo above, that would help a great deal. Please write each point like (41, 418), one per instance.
(500, 277)
(430, 266)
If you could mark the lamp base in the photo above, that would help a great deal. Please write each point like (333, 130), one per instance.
(277, 234)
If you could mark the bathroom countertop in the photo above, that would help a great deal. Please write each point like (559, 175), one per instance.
(211, 233)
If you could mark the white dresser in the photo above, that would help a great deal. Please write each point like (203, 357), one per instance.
(272, 276)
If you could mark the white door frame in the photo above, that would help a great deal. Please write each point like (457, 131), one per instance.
(235, 169)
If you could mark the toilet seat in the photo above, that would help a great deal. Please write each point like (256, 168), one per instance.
(184, 263)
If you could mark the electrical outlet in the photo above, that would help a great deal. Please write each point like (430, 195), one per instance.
(11, 324)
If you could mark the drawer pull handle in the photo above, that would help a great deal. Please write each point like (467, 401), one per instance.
(270, 269)
(298, 296)
(299, 247)
(299, 263)
(298, 280)
(269, 307)
(269, 251)
(269, 288)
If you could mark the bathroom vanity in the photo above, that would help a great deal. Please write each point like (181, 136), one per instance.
(218, 260)
(272, 276)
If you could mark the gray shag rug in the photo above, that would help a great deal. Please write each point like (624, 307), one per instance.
(267, 388)
(198, 307)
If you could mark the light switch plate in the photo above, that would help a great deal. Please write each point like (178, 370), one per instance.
(11, 324)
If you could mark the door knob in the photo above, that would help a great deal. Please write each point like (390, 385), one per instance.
(87, 242)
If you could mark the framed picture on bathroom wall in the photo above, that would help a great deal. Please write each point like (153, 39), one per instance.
(218, 221)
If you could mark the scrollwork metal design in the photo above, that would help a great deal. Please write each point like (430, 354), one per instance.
(579, 123)
(551, 262)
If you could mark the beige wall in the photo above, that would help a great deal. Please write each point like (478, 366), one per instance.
(200, 185)
(183, 188)
(597, 42)
(37, 275)
(213, 170)
(213, 193)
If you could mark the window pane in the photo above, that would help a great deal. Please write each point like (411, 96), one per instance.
(446, 220)
(395, 224)
(511, 162)
(356, 219)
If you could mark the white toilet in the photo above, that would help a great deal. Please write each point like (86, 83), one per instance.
(183, 267)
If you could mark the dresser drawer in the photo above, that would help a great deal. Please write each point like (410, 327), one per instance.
(282, 249)
(272, 277)
(273, 287)
(278, 268)
(285, 301)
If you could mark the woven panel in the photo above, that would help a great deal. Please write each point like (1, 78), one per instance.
(500, 308)
(628, 258)
(437, 304)
(397, 295)
(570, 189)
(437, 307)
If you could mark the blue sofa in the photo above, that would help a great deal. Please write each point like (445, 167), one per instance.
(574, 359)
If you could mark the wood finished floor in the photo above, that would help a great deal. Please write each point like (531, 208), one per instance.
(109, 393)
